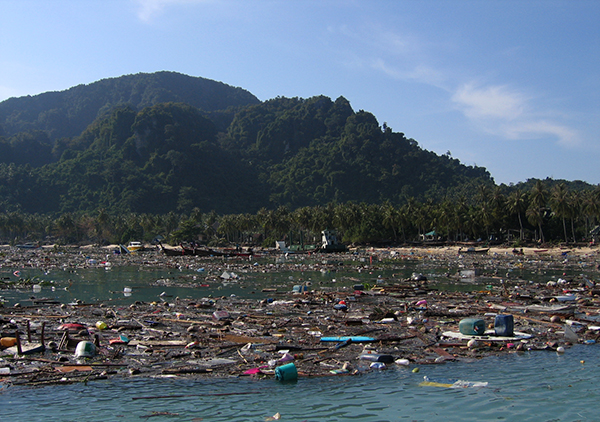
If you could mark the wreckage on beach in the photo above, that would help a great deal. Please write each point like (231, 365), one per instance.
(313, 331)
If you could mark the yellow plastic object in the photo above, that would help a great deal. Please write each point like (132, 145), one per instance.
(8, 341)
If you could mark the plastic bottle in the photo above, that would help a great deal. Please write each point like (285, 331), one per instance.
(374, 357)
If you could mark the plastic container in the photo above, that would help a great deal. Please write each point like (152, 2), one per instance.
(8, 341)
(85, 349)
(375, 357)
(286, 372)
(300, 288)
(504, 325)
(101, 325)
(472, 326)
(286, 358)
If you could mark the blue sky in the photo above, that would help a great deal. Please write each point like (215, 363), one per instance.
(512, 85)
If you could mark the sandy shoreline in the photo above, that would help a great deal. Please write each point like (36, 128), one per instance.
(402, 250)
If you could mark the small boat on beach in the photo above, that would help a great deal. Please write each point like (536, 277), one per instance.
(189, 251)
(28, 246)
(473, 250)
(135, 246)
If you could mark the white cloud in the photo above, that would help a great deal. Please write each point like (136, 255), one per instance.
(150, 8)
(420, 73)
(489, 102)
(499, 109)
(509, 113)
(536, 129)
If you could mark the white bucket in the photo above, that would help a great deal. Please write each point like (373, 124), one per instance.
(85, 349)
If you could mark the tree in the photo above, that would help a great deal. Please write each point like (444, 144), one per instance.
(516, 204)
(560, 206)
(537, 207)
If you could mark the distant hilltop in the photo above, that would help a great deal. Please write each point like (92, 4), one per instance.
(67, 113)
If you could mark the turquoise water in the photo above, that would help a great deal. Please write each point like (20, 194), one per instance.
(199, 279)
(196, 278)
(531, 386)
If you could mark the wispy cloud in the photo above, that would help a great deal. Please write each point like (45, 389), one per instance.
(510, 113)
(419, 72)
(501, 109)
(148, 9)
(489, 102)
(534, 129)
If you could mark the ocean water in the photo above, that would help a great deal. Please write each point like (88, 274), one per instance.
(528, 386)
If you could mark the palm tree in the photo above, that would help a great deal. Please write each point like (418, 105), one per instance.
(517, 204)
(560, 205)
(537, 207)
(390, 217)
(575, 204)
(460, 214)
(590, 207)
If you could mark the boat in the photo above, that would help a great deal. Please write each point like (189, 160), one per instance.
(473, 250)
(28, 246)
(172, 252)
(239, 252)
(135, 246)
(329, 242)
(295, 249)
(189, 251)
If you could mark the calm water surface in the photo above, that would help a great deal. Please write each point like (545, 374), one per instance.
(531, 386)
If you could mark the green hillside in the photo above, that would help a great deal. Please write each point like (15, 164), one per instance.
(185, 157)
(174, 156)
(68, 113)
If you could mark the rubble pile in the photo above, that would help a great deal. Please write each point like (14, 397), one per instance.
(309, 332)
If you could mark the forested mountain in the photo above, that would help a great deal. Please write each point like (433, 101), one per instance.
(163, 142)
(68, 113)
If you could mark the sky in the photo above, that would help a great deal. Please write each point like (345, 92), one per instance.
(511, 85)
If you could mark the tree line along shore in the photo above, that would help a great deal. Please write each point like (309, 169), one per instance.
(543, 217)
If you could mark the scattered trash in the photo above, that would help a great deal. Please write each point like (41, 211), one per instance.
(101, 325)
(85, 349)
(8, 341)
(456, 384)
(286, 372)
(290, 333)
(472, 326)
(504, 325)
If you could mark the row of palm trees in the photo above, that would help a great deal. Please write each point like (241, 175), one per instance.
(544, 213)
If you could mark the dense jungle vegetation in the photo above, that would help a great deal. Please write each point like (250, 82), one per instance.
(187, 158)
(548, 212)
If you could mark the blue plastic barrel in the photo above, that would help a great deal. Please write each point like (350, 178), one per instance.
(472, 326)
(286, 372)
(504, 325)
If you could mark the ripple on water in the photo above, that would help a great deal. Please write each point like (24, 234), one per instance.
(537, 386)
